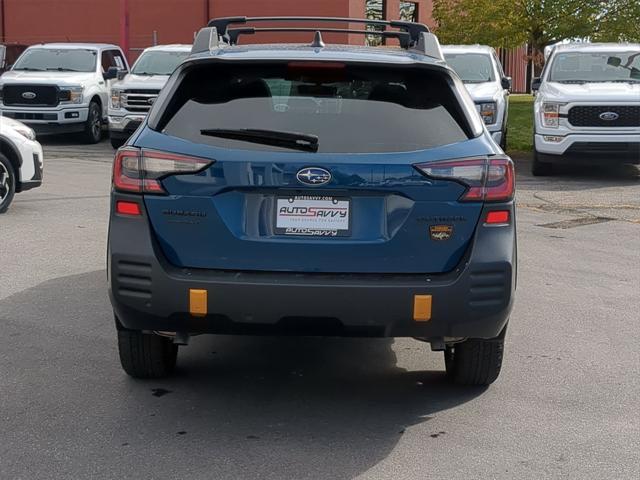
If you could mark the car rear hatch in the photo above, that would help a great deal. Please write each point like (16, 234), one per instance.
(312, 167)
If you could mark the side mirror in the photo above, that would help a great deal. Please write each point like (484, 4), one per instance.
(122, 74)
(506, 83)
(614, 61)
(535, 84)
(111, 73)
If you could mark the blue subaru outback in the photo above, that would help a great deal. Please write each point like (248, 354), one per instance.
(313, 189)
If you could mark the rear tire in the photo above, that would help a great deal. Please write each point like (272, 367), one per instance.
(503, 140)
(540, 169)
(93, 126)
(145, 355)
(7, 183)
(116, 143)
(475, 361)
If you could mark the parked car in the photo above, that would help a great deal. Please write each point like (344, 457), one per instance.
(587, 107)
(481, 72)
(21, 160)
(9, 53)
(133, 96)
(313, 189)
(62, 88)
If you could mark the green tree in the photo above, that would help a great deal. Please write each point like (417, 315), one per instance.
(511, 23)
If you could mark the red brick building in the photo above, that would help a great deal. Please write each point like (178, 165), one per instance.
(135, 24)
(173, 21)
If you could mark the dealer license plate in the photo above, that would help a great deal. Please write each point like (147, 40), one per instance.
(313, 216)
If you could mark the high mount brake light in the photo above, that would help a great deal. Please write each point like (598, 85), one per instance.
(140, 171)
(317, 65)
(489, 179)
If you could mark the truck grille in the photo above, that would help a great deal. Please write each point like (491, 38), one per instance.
(139, 101)
(590, 116)
(31, 95)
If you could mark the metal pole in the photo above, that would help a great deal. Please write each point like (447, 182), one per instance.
(154, 40)
(207, 11)
(3, 23)
(124, 26)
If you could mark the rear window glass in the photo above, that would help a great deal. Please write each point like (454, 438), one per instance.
(350, 109)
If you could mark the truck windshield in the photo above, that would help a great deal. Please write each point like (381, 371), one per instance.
(586, 67)
(158, 63)
(63, 60)
(323, 108)
(471, 67)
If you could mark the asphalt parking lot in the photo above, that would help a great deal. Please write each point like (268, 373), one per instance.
(565, 406)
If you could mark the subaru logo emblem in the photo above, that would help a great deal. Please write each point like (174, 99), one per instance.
(29, 95)
(314, 176)
(609, 116)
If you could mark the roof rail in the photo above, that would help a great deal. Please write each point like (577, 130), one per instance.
(403, 37)
(414, 30)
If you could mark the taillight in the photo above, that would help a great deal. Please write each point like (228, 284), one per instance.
(498, 217)
(140, 171)
(487, 179)
(128, 208)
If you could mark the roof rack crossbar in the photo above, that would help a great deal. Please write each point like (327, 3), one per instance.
(403, 37)
(414, 30)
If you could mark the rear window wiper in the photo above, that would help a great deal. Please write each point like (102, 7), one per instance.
(291, 140)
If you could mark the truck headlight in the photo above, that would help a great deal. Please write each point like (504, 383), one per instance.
(551, 114)
(487, 111)
(116, 98)
(25, 131)
(71, 95)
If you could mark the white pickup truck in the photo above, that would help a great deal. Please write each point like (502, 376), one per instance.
(132, 97)
(481, 72)
(587, 107)
(62, 87)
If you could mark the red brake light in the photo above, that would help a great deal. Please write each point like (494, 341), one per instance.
(314, 65)
(497, 217)
(140, 171)
(487, 179)
(128, 208)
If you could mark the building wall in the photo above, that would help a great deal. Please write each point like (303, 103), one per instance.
(175, 21)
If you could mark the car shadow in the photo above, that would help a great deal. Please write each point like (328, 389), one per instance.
(574, 177)
(237, 407)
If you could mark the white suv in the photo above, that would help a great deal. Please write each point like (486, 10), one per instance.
(587, 108)
(133, 96)
(481, 72)
(62, 87)
(21, 160)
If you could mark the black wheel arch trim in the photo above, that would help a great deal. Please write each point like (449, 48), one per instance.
(15, 158)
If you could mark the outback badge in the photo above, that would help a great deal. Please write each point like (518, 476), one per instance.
(440, 233)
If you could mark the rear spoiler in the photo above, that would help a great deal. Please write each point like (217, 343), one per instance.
(411, 36)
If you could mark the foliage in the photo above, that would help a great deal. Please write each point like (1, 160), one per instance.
(520, 123)
(511, 23)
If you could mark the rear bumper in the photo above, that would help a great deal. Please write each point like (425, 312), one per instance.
(147, 293)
